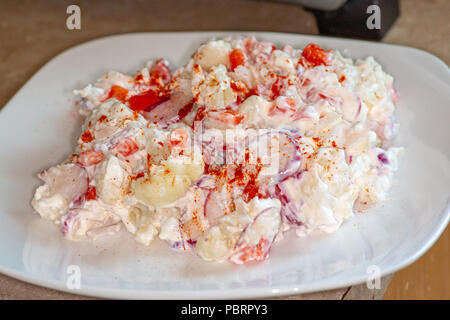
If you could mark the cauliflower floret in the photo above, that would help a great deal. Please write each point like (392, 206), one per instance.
(145, 223)
(146, 234)
(191, 167)
(283, 62)
(171, 178)
(111, 177)
(133, 216)
(148, 223)
(256, 109)
(161, 186)
(215, 91)
(167, 182)
(170, 230)
(214, 53)
(50, 206)
(157, 145)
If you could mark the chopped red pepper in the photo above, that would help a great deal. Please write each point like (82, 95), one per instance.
(146, 101)
(260, 252)
(201, 113)
(91, 194)
(276, 88)
(185, 110)
(315, 55)
(237, 58)
(118, 92)
(87, 136)
(137, 176)
(179, 137)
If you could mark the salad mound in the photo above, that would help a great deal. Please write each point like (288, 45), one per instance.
(225, 154)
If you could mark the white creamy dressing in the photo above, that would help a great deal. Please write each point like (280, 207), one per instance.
(153, 177)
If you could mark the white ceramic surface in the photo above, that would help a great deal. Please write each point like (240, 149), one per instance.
(38, 128)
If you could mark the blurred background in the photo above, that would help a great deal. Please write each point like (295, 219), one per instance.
(33, 32)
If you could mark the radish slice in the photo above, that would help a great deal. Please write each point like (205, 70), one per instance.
(69, 180)
(216, 206)
(179, 105)
(169, 111)
(160, 112)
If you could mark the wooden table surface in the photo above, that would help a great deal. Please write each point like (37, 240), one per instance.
(33, 32)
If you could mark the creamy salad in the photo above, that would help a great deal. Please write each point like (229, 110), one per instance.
(222, 156)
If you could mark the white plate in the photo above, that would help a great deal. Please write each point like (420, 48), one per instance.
(38, 128)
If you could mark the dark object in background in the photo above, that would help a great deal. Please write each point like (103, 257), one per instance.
(350, 20)
(317, 4)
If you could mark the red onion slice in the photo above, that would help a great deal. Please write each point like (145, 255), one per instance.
(179, 105)
(289, 207)
(290, 157)
(277, 146)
